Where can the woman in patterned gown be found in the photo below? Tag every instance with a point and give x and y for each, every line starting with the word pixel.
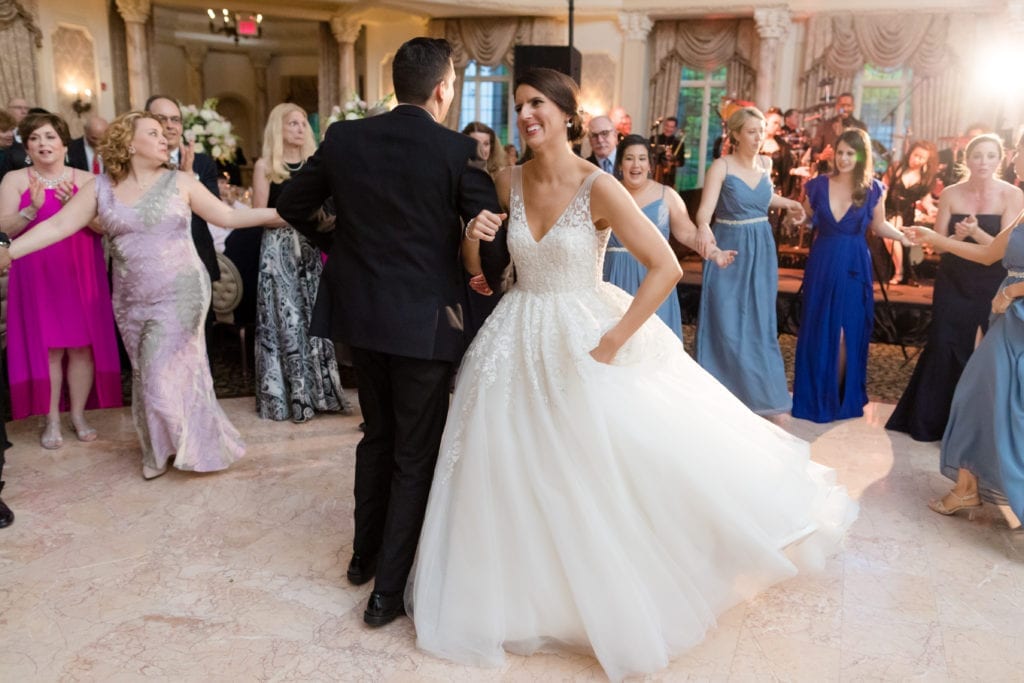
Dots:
pixel 737 332
pixel 161 291
pixel 296 373
pixel 665 208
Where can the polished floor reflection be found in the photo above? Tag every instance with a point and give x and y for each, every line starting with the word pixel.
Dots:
pixel 240 575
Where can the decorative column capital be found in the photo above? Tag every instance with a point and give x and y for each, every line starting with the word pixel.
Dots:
pixel 345 28
pixel 635 25
pixel 134 11
pixel 773 23
pixel 195 54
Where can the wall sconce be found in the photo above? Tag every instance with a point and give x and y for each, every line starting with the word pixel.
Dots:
pixel 82 105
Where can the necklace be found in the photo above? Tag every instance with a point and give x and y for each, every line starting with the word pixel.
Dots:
pixel 144 187
pixel 292 168
pixel 51 184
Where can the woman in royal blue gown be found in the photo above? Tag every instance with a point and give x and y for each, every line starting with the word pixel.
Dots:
pixel 830 376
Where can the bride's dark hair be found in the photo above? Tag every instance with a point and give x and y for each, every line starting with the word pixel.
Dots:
pixel 561 90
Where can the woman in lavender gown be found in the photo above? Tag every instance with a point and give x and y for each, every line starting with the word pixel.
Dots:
pixel 161 291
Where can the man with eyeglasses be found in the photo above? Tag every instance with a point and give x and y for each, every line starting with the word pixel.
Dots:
pixel 603 139
pixel 168 113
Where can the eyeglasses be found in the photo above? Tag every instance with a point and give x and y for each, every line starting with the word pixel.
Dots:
pixel 164 119
pixel 602 133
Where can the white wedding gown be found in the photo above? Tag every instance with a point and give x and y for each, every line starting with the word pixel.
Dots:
pixel 615 509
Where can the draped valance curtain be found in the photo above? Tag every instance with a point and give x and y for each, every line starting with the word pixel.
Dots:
pixel 19 39
pixel 488 42
pixel 839 45
pixel 701 44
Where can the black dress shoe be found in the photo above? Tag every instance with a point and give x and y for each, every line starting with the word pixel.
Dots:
pixel 361 570
pixel 383 608
pixel 6 516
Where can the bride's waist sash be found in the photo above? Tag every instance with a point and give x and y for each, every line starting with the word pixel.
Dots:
pixel 741 221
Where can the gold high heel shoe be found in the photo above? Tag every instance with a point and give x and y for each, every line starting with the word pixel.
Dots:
pixel 971 503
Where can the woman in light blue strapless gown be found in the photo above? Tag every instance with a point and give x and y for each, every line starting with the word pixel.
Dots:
pixel 983 446
pixel 665 208
pixel 737 332
pixel 596 489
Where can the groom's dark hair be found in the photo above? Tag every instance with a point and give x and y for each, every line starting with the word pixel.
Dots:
pixel 419 65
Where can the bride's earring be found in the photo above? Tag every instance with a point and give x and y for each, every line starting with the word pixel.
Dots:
pixel 131 150
pixel 568 123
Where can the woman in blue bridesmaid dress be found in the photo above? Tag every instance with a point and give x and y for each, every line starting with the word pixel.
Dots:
pixel 737 333
pixel 838 312
pixel 665 208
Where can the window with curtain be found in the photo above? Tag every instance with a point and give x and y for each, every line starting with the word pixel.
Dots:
pixel 487 97
pixel 882 95
pixel 699 95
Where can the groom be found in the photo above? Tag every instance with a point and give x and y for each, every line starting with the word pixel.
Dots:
pixel 403 186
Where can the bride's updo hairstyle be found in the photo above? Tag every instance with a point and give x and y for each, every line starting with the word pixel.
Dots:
pixel 561 90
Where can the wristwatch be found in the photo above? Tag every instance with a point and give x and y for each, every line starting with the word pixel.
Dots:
pixel 5 241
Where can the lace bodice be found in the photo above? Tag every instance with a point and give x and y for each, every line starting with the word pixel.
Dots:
pixel 569 257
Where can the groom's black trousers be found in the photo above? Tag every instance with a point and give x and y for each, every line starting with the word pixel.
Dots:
pixel 404 403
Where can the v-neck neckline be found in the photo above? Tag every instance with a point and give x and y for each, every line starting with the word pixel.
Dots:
pixel 526 218
pixel 145 193
pixel 831 211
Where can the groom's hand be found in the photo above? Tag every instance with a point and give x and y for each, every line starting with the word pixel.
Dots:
pixel 485 226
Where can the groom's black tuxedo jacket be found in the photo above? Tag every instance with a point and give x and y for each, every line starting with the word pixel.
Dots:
pixel 403 187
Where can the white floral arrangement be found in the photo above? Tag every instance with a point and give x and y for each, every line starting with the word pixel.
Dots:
pixel 210 131
pixel 356 108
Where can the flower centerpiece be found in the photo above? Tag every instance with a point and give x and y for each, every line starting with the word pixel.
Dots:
pixel 210 131
pixel 356 108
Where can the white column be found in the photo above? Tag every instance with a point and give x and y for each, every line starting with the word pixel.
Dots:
pixel 346 31
pixel 773 23
pixel 135 14
pixel 635 26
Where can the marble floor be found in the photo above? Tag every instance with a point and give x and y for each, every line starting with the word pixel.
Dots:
pixel 239 575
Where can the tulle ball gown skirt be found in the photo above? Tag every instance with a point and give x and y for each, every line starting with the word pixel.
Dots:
pixel 614 509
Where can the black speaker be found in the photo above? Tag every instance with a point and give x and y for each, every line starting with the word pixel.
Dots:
pixel 558 57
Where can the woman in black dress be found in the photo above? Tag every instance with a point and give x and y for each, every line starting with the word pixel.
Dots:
pixel 973 210
pixel 908 182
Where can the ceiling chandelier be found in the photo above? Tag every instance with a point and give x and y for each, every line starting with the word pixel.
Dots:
pixel 235 24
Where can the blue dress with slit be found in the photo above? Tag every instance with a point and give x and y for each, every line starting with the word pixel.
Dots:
pixel 838 307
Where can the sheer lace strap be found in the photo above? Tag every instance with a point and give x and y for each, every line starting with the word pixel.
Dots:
pixel 589 182
pixel 515 188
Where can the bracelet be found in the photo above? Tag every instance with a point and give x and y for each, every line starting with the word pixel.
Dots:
pixel 1005 295
pixel 24 213
pixel 465 232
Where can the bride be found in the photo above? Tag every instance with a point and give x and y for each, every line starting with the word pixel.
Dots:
pixel 596 489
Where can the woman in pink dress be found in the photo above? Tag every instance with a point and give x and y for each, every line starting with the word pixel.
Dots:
pixel 60 325
pixel 161 291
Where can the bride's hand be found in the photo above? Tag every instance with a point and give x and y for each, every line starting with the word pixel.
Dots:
pixel 485 226
pixel 604 352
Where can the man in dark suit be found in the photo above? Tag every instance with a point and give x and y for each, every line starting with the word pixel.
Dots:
pixel 603 141
pixel 402 185
pixel 82 151
pixel 168 112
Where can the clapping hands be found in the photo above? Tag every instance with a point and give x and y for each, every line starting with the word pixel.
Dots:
pixel 966 228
